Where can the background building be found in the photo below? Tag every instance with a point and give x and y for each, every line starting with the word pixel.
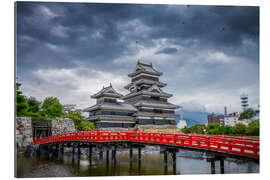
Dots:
pixel 213 118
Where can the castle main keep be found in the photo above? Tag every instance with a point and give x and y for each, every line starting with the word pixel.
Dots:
pixel 145 104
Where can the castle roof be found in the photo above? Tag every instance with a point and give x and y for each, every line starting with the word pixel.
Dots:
pixel 154 90
pixel 149 114
pixel 156 104
pixel 144 68
pixel 145 81
pixel 112 106
pixel 107 92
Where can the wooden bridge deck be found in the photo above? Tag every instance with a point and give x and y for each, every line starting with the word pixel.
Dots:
pixel 225 144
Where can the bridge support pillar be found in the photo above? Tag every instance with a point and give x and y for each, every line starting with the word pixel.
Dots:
pixel 139 153
pixel 62 149
pixel 90 155
pixel 56 150
pixel 114 155
pixel 165 157
pixel 213 167
pixel 165 162
pixel 130 153
pixel 79 149
pixel 174 161
pixel 107 156
pixel 73 149
pixel 100 156
pixel 222 166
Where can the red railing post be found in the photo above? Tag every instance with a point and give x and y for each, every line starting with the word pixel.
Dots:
pixel 229 145
pixel 98 135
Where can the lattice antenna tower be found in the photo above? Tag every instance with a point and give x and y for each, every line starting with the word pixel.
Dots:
pixel 244 101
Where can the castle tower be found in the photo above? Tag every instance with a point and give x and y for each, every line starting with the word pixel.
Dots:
pixel 146 95
pixel 108 112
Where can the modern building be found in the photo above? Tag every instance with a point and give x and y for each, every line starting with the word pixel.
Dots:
pixel 145 105
pixel 231 119
pixel 213 118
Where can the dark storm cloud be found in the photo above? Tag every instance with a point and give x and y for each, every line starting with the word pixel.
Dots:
pixel 216 27
pixel 167 51
pixel 96 36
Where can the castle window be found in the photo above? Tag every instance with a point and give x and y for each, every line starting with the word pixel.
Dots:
pixel 155 97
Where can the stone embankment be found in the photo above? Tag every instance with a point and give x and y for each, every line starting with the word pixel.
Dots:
pixel 24 133
pixel 60 126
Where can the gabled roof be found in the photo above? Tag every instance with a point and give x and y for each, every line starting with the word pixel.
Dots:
pixel 156 104
pixel 109 106
pixel 145 81
pixel 155 88
pixel 107 92
pixel 146 92
pixel 144 68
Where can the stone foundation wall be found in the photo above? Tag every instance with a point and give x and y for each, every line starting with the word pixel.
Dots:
pixel 24 133
pixel 62 126
pixel 116 129
pixel 157 128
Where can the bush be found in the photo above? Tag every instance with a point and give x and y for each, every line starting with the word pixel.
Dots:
pixel 87 126
pixel 239 129
pixel 198 129
pixel 253 128
pixel 213 128
pixel 185 130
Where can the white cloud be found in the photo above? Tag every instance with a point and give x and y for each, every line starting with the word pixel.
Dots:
pixel 47 11
pixel 72 86
pixel 60 31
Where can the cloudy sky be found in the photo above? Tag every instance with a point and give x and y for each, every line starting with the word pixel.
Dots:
pixel 209 54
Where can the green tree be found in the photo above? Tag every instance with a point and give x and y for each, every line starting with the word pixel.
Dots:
pixel 87 126
pixel 227 130
pixel 51 107
pixel 247 114
pixel 77 118
pixel 239 129
pixel 33 105
pixel 21 102
pixel 185 130
pixel 213 128
pixel 253 128
pixel 198 128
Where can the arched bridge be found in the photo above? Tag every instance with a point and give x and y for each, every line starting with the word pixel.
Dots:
pixel 242 146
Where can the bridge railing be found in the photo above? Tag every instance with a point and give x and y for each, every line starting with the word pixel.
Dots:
pixel 230 144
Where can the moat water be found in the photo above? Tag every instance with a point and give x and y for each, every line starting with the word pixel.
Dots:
pixel 151 163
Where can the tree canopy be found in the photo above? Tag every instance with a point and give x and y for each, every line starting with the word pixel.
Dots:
pixel 253 129
pixel 48 109
pixel 33 105
pixel 21 102
pixel 79 122
pixel 51 107
pixel 247 114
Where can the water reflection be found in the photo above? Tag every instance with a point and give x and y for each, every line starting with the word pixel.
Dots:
pixel 144 161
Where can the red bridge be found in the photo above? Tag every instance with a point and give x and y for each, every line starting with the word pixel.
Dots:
pixel 225 144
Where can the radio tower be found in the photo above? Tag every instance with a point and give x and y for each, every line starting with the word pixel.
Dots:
pixel 244 101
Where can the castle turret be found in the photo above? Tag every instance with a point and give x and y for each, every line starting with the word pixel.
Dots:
pixel 147 96
pixel 108 112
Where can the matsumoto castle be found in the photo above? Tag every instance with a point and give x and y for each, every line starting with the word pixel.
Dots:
pixel 145 105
